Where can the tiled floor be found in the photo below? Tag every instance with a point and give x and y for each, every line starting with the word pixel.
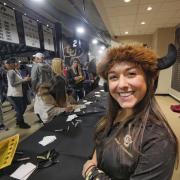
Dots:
pixel 30 118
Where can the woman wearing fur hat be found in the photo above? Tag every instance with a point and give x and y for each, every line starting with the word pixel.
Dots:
pixel 133 141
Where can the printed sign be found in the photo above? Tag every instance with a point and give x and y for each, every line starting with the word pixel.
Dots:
pixel 48 38
pixel 31 32
pixel 8 28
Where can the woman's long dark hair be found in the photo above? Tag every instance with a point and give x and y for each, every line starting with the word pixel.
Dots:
pixel 58 90
pixel 146 110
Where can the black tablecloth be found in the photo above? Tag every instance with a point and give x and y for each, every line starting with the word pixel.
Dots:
pixel 74 146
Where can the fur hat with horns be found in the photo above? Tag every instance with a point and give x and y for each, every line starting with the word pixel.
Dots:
pixel 137 54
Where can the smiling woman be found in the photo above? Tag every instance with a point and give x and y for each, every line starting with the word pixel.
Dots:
pixel 127 84
pixel 133 139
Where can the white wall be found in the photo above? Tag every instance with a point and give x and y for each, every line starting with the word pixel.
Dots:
pixel 161 38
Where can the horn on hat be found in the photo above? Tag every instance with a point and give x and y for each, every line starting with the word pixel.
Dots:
pixel 169 59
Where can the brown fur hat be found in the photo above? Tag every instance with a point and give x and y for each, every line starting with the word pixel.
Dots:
pixel 132 53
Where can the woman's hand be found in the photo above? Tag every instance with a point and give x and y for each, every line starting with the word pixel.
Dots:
pixel 27 78
pixel 76 78
pixel 87 167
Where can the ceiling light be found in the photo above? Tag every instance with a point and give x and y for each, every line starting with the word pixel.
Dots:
pixel 37 20
pixel 80 30
pixel 5 4
pixel 47 25
pixel 126 1
pixel 102 47
pixel 25 14
pixel 94 41
pixel 126 32
pixel 149 8
pixel 143 22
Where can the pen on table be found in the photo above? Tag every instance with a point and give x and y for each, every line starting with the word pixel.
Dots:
pixel 58 130
pixel 23 159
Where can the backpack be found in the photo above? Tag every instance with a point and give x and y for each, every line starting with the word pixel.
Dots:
pixel 44 73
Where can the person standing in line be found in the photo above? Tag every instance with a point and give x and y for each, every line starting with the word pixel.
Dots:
pixel 2 126
pixel 15 94
pixel 133 141
pixel 75 79
pixel 40 72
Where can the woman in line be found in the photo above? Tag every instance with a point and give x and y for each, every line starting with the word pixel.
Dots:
pixel 58 81
pixel 133 141
pixel 15 93
pixel 75 79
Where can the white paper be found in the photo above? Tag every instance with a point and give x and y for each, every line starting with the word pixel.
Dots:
pixel 47 140
pixel 98 95
pixel 71 117
pixel 24 171
pixel 82 106
pixel 77 110
pixel 89 102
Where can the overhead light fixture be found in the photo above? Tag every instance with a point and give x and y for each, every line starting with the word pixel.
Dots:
pixel 37 20
pixel 149 8
pixel 143 22
pixel 47 25
pixel 126 32
pixel 5 4
pixel 102 47
pixel 25 14
pixel 126 1
pixel 80 30
pixel 94 41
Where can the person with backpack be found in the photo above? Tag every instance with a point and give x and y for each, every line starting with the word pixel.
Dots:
pixel 40 72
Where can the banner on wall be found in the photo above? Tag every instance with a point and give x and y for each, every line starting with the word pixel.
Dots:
pixel 31 32
pixel 8 28
pixel 48 38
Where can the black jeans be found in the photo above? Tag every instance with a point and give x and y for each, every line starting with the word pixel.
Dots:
pixel 19 106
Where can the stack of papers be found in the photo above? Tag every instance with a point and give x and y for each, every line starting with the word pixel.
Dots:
pixel 47 140
pixel 88 102
pixel 77 110
pixel 97 95
pixel 71 117
pixel 24 171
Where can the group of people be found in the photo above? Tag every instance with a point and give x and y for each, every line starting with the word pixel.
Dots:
pixel 54 89
pixel 133 141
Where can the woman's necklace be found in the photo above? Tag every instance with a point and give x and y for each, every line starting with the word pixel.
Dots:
pixel 127 138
